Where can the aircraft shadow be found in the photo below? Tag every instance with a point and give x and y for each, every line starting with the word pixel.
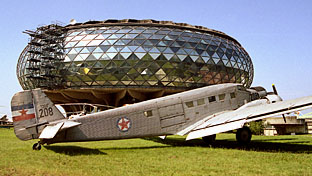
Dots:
pixel 134 148
pixel 74 150
pixel 254 145
pixel 265 145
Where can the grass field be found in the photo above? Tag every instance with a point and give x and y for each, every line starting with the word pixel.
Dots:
pixel 277 155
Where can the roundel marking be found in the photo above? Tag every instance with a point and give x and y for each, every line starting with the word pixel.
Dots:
pixel 123 124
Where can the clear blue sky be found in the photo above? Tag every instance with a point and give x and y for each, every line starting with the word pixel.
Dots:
pixel 275 33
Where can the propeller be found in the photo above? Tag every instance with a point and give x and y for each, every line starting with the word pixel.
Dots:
pixel 274 89
pixel 275 92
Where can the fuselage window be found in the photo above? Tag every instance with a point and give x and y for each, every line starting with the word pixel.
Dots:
pixel 200 101
pixel 148 113
pixel 221 97
pixel 189 104
pixel 212 99
pixel 233 95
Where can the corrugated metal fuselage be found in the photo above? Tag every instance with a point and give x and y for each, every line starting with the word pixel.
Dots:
pixel 162 116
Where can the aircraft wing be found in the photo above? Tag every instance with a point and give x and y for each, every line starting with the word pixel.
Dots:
pixel 236 119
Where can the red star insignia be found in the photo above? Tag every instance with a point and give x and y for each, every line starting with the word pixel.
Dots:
pixel 124 124
pixel 23 112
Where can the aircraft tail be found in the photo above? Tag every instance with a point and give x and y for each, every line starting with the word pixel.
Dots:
pixel 32 110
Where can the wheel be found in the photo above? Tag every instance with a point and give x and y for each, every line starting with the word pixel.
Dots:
pixel 209 139
pixel 243 135
pixel 36 146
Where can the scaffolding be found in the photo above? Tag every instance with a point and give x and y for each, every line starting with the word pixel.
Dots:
pixel 46 55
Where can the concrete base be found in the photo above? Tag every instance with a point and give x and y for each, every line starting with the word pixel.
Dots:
pixel 277 126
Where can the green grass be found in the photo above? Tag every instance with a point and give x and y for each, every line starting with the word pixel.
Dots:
pixel 277 155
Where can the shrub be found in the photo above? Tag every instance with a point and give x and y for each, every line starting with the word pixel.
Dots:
pixel 256 127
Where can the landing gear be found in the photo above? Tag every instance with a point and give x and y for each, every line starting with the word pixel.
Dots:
pixel 37 146
pixel 209 139
pixel 243 135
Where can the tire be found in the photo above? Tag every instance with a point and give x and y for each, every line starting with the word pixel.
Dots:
pixel 209 139
pixel 243 135
pixel 36 146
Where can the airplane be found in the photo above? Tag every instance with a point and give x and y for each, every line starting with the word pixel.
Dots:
pixel 299 115
pixel 4 122
pixel 197 113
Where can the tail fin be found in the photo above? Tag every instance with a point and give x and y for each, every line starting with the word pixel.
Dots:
pixel 31 111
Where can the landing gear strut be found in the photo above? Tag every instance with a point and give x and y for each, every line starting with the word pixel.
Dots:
pixel 37 146
pixel 243 135
pixel 209 139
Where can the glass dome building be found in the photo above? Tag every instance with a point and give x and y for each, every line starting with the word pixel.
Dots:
pixel 114 62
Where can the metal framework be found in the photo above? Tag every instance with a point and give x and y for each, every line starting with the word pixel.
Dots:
pixel 46 53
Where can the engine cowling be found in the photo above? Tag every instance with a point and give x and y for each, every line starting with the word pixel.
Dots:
pixel 273 98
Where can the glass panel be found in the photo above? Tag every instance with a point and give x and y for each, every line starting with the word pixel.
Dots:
pixel 78 49
pixel 139 41
pixel 168 50
pixel 73 51
pixel 126 50
pixel 90 37
pixel 105 35
pixel 140 37
pixel 148 43
pixel 119 42
pixel 189 104
pixel 156 36
pixel 126 41
pixel 162 32
pixel 221 97
pixel 70 44
pixel 212 99
pixel 119 35
pixel 137 30
pixel 111 55
pixel 200 101
pixel 95 42
pixel 78 38
pixel 82 43
pixel 85 50
pixel 75 33
pixel 112 41
pixel 150 31
pixel 118 48
pixel 111 50
pixel 104 48
pixel 125 55
pixel 148 113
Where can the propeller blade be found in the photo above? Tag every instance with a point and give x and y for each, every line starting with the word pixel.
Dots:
pixel 274 89
pixel 284 118
pixel 275 92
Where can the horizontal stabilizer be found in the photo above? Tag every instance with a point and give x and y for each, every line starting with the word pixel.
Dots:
pixel 53 128
pixel 50 131
pixel 162 137
pixel 69 124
